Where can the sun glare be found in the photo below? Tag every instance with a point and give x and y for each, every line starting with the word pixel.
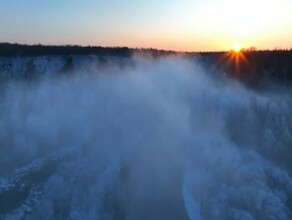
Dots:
pixel 237 48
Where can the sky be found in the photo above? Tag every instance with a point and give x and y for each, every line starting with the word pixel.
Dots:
pixel 182 25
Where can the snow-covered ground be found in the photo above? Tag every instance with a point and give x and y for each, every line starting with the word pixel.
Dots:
pixel 113 138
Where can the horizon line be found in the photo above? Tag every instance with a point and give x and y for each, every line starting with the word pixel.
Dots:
pixel 253 48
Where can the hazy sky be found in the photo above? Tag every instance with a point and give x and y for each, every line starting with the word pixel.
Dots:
pixel 168 24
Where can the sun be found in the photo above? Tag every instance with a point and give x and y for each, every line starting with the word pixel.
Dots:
pixel 237 48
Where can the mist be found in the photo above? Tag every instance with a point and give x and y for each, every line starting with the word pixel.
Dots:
pixel 153 139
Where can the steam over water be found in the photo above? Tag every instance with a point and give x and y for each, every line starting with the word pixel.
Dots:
pixel 157 139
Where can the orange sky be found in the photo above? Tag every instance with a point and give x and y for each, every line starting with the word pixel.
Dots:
pixel 186 25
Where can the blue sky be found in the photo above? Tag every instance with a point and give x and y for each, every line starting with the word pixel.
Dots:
pixel 168 24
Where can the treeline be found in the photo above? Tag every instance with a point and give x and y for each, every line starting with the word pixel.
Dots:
pixel 251 66
pixel 273 65
pixel 11 50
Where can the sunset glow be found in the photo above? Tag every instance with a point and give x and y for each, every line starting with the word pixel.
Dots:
pixel 134 109
pixel 185 25
pixel 237 48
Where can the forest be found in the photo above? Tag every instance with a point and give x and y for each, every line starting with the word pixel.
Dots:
pixel 249 66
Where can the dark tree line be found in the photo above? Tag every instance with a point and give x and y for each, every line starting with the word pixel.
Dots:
pixel 250 66
pixel 10 50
